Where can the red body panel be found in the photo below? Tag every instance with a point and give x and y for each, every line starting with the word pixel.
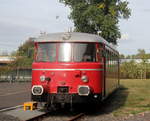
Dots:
pixel 68 74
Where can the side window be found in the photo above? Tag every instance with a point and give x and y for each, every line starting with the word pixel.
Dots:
pixel 107 59
pixel 99 53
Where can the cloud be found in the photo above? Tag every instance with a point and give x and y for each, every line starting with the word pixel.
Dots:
pixel 125 36
pixel 21 19
pixel 124 39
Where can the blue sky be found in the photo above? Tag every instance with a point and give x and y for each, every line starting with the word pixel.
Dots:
pixel 20 19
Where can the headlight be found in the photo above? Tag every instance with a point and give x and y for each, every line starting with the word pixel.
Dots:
pixel 42 78
pixel 83 90
pixel 84 78
pixel 37 90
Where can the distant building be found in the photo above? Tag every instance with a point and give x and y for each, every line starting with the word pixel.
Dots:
pixel 4 60
pixel 136 60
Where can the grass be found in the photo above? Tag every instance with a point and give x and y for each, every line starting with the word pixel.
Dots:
pixel 133 97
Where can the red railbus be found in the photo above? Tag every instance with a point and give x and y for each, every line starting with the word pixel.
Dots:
pixel 73 68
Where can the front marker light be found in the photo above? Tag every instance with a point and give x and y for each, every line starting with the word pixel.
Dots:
pixel 84 78
pixel 83 90
pixel 42 78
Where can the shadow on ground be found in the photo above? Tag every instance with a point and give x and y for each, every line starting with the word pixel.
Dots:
pixel 112 103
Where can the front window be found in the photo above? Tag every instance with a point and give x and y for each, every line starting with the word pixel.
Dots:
pixel 46 52
pixel 84 52
pixel 66 52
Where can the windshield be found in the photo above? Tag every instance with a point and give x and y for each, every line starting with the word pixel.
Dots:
pixel 66 52
pixel 84 52
pixel 46 52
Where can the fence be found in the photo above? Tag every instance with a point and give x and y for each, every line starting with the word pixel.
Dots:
pixel 17 75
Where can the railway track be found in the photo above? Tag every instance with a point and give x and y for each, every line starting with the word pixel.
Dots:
pixel 38 115
pixel 35 115
pixel 10 108
pixel 22 115
pixel 77 117
pixel 41 117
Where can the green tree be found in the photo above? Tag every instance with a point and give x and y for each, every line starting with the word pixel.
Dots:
pixel 98 16
pixel 26 48
pixel 144 64
pixel 128 57
pixel 121 56
pixel 24 54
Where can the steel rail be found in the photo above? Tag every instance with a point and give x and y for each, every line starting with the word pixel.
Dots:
pixel 41 116
pixel 75 118
pixel 10 108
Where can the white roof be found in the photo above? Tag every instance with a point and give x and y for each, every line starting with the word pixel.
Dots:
pixel 69 37
pixel 72 37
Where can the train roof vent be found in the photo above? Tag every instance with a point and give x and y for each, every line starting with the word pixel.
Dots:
pixel 66 36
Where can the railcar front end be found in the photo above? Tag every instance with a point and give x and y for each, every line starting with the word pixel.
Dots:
pixel 67 72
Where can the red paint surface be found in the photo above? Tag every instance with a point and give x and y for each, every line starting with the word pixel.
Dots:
pixel 70 78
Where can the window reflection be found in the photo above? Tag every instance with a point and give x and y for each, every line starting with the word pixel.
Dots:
pixel 81 52
pixel 84 52
pixel 46 52
pixel 64 52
